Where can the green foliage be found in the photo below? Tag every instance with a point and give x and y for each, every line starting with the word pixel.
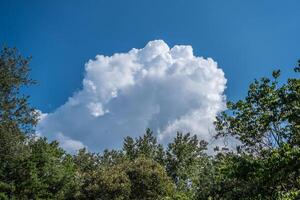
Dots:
pixel 266 165
pixel 30 168
pixel 149 180
pixel 47 173
pixel 105 183
pixel 16 116
pixel 127 179
pixel 267 124
pixel 267 118
pixel 14 74
pixel 146 145
pixel 246 176
pixel 100 176
pixel 184 159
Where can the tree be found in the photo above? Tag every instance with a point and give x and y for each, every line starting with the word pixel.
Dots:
pixel 17 118
pixel 105 182
pixel 267 166
pixel 129 148
pixel 184 159
pixel 149 180
pixel 145 145
pixel 47 173
pixel 247 176
pixel 87 165
pixel 112 157
pixel 267 124
pixel 267 118
pixel 14 108
pixel 141 178
pixel 30 167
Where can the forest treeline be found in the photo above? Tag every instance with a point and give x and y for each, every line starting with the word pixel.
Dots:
pixel 265 165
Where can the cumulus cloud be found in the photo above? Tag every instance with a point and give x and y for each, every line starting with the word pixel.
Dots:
pixel 165 89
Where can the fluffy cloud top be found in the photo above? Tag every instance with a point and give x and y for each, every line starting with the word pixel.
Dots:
pixel 165 89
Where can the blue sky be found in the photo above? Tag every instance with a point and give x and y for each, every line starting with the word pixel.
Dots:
pixel 248 39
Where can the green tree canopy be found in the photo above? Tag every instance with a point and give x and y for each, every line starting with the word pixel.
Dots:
pixel 267 118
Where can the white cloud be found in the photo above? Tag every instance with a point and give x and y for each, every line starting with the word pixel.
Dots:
pixel 165 89
pixel 69 144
